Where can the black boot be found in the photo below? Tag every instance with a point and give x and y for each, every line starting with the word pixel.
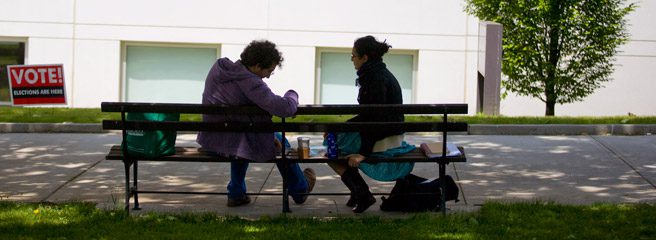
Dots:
pixel 349 184
pixel 363 197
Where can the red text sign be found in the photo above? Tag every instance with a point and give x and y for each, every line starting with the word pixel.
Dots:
pixel 37 84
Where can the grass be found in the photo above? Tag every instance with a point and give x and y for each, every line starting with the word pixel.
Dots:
pixel 535 220
pixel 4 94
pixel 94 115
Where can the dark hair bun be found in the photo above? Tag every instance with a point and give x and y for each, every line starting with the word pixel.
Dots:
pixel 368 45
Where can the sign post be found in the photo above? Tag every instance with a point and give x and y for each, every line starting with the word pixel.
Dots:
pixel 37 84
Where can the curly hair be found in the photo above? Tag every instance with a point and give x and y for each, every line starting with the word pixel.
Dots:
pixel 262 52
pixel 368 45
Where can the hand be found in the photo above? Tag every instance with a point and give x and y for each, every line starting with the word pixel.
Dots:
pixel 354 159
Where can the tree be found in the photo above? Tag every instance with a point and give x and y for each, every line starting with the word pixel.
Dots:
pixel 559 51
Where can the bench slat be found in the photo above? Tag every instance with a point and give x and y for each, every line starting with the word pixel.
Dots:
pixel 287 127
pixel 301 110
pixel 192 154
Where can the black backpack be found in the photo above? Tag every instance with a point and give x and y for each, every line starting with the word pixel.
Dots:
pixel 415 194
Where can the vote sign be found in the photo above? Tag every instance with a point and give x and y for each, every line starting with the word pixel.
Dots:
pixel 37 84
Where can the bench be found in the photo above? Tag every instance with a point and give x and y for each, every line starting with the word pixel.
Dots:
pixel 193 154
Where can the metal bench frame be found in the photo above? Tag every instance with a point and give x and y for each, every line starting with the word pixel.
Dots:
pixel 191 154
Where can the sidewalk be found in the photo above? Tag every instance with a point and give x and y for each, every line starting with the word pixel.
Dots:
pixel 565 169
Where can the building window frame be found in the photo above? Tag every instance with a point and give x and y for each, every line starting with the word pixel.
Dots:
pixel 321 50
pixel 23 40
pixel 124 56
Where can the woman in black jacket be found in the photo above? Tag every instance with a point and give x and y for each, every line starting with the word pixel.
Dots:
pixel 377 86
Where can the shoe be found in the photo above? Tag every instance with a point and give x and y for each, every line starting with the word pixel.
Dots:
pixel 362 196
pixel 235 202
pixel 351 202
pixel 311 179
pixel 363 204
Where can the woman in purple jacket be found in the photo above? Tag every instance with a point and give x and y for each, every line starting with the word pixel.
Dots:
pixel 241 83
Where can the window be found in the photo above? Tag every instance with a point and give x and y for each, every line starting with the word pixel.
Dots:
pixel 166 73
pixel 337 75
pixel 11 53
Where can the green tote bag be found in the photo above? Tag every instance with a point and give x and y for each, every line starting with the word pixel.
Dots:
pixel 151 144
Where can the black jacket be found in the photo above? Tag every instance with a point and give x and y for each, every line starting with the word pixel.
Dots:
pixel 377 86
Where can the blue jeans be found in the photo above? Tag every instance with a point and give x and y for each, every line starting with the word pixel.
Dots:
pixel 295 180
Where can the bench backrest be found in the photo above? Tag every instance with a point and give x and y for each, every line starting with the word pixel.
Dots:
pixel 285 126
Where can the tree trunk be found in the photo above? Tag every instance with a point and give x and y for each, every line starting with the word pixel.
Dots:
pixel 550 95
pixel 551 109
pixel 554 58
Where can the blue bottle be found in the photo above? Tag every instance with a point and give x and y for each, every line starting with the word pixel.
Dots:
pixel 331 150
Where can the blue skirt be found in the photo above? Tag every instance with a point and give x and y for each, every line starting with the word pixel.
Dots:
pixel 349 143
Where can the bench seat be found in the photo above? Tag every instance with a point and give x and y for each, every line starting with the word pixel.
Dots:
pixel 195 154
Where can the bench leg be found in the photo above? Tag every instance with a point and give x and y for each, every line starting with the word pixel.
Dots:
pixel 285 190
pixel 443 188
pixel 127 186
pixel 134 187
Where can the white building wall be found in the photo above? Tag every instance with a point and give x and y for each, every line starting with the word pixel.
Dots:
pixel 296 73
pixel 441 75
pixel 97 72
pixel 87 35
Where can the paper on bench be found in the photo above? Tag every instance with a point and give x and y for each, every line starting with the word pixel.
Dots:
pixel 427 148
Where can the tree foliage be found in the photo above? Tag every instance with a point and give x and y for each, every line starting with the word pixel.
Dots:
pixel 558 51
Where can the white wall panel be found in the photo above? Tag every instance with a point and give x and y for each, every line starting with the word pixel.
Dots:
pixel 97 72
pixel 638 48
pixel 345 40
pixel 25 29
pixel 440 77
pixel 632 90
pixel 382 16
pixel 297 73
pixel 641 21
pixel 60 11
pixel 248 14
pixel 167 34
pixel 232 51
pixel 514 105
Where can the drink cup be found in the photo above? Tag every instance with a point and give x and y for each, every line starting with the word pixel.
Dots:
pixel 303 147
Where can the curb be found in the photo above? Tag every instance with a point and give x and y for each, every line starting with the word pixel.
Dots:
pixel 474 129
pixel 562 129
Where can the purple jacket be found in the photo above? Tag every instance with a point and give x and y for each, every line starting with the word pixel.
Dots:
pixel 232 84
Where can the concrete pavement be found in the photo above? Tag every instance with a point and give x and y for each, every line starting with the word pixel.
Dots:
pixel 59 167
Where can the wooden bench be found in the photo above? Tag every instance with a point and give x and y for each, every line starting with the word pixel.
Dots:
pixel 192 154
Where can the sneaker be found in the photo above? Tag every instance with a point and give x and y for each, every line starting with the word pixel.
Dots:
pixel 234 202
pixel 311 179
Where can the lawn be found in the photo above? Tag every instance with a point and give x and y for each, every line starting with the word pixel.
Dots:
pixel 94 115
pixel 534 220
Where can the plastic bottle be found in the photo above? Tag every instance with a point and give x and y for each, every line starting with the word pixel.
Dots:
pixel 331 150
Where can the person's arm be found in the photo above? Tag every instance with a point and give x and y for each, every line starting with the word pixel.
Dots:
pixel 259 93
